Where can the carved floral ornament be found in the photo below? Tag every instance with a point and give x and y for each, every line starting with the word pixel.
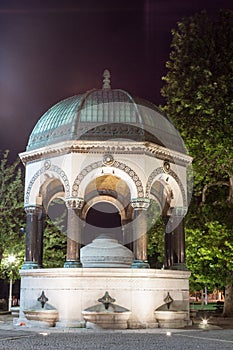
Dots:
pixel 108 159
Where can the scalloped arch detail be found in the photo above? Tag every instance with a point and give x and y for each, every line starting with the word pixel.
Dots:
pixel 52 168
pixel 122 166
pixel 160 170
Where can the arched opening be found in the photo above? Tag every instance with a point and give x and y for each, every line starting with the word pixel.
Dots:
pixel 161 195
pixel 155 234
pixel 170 220
pixel 102 217
pixel 55 230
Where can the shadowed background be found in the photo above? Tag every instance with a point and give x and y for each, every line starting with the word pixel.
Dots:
pixel 50 50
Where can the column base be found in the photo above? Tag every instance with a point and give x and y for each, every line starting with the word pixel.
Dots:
pixel 179 266
pixel 72 264
pixel 30 265
pixel 140 264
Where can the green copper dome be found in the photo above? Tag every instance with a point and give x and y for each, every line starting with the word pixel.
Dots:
pixel 104 114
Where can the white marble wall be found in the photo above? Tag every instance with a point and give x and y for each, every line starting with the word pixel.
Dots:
pixel 71 291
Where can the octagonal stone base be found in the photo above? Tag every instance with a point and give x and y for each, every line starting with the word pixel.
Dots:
pixel 70 291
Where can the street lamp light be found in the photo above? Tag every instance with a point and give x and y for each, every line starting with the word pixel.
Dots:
pixel 11 260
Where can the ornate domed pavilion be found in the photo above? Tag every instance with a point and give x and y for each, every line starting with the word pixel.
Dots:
pixel 134 146
pixel 106 156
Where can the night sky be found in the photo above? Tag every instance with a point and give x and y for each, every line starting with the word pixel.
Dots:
pixel 52 49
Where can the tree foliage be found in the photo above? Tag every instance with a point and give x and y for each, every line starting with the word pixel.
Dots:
pixel 155 235
pixel 12 223
pixel 12 216
pixel 209 255
pixel 54 245
pixel 198 90
pixel 55 236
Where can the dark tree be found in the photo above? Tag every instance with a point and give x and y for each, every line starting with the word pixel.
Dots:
pixel 199 98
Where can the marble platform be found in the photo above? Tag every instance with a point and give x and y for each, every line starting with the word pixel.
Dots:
pixel 71 291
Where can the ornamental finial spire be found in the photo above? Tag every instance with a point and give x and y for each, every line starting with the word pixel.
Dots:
pixel 106 80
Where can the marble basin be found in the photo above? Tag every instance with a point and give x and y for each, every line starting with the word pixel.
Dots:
pixel 106 320
pixel 106 315
pixel 50 317
pixel 171 318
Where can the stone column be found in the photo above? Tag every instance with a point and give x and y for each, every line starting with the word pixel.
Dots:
pixel 127 234
pixel 40 237
pixel 74 232
pixel 31 251
pixel 140 206
pixel 168 242
pixel 174 239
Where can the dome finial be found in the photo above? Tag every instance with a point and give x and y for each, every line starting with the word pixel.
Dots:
pixel 106 80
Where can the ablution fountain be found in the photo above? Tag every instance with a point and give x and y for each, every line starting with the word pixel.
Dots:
pixel 107 159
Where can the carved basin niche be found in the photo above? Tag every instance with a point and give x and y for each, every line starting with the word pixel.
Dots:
pixel 170 314
pixel 50 317
pixel 171 318
pixel 106 315
pixel 42 312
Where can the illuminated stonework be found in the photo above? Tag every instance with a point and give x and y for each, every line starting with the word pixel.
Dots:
pixel 104 146
pixel 105 163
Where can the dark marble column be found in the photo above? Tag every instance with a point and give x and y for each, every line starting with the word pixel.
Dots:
pixel 74 233
pixel 140 232
pixel 127 233
pixel 168 242
pixel 31 252
pixel 40 237
pixel 174 239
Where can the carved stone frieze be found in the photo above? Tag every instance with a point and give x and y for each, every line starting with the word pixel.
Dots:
pixel 100 147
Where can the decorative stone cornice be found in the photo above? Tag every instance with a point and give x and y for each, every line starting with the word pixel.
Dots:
pixel 167 154
pixel 104 147
pixel 140 203
pixel 74 202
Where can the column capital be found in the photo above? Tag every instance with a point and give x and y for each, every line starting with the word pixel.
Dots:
pixel 140 203
pixel 33 209
pixel 74 202
pixel 179 211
